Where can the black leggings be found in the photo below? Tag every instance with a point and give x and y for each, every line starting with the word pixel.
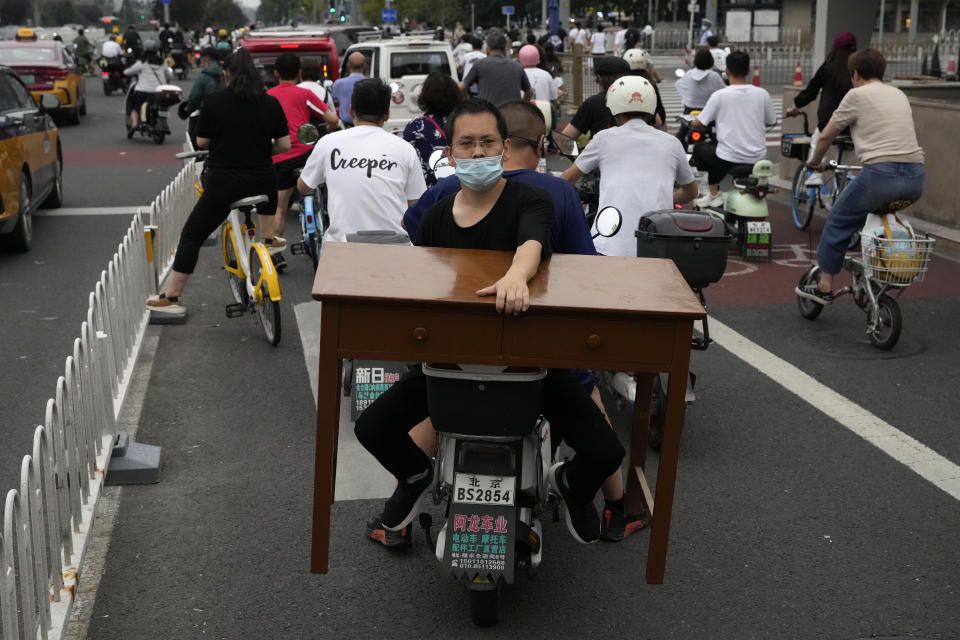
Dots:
pixel 705 158
pixel 221 187
pixel 383 430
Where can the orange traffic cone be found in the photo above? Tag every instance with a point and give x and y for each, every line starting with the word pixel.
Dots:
pixel 756 76
pixel 798 77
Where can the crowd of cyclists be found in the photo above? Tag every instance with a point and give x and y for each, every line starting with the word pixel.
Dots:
pixel 494 133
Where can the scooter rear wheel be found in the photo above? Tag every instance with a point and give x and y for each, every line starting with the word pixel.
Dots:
pixel 485 606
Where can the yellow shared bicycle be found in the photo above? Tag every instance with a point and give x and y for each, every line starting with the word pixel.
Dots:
pixel 250 270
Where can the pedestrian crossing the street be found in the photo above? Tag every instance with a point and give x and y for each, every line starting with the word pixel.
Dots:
pixel 674 107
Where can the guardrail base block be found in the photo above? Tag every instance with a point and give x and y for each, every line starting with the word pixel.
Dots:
pixel 162 317
pixel 133 462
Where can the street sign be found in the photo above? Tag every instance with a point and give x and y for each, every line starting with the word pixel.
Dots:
pixel 165 1
pixel 693 7
pixel 507 10
pixel 389 15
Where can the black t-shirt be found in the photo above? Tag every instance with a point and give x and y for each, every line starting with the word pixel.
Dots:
pixel 241 132
pixel 593 115
pixel 522 212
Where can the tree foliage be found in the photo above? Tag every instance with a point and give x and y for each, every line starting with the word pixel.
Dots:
pixel 14 11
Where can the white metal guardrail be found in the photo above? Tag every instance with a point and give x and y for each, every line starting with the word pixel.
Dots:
pixel 46 521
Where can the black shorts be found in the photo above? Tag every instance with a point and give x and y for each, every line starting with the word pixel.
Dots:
pixel 137 98
pixel 284 171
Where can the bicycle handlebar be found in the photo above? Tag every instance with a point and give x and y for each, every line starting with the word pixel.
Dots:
pixel 832 165
pixel 186 155
pixel 806 122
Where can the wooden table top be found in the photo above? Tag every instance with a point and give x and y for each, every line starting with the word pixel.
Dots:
pixel 427 275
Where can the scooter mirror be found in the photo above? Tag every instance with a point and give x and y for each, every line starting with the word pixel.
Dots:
pixel 307 134
pixel 679 73
pixel 608 221
pixel 49 102
pixel 440 164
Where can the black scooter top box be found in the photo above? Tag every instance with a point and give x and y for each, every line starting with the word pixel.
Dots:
pixel 696 242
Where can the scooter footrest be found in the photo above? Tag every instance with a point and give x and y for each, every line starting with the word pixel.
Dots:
pixel 236 310
pixel 297 248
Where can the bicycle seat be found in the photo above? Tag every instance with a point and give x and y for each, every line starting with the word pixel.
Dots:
pixel 249 203
pixel 895 205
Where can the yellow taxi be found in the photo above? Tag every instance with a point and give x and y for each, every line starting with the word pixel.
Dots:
pixel 46 66
pixel 31 160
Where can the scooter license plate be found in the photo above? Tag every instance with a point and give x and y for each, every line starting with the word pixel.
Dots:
pixel 471 488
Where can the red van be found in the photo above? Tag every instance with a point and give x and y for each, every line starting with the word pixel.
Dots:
pixel 315 46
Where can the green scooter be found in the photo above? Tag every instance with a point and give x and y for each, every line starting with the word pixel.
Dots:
pixel 745 210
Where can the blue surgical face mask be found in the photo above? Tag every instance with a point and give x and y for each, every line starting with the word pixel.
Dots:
pixel 479 174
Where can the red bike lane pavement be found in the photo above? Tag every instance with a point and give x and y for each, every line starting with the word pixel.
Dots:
pixel 773 282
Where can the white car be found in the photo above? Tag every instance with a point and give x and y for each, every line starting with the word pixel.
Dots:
pixel 403 63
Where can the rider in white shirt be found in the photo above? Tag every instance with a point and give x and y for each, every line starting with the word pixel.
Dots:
pixel 742 113
pixel 639 164
pixel 371 175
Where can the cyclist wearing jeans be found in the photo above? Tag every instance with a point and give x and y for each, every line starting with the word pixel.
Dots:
pixel 881 124
pixel 243 127
pixel 490 212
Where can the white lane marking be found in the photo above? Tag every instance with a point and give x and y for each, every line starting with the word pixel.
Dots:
pixel 745 268
pixel 359 475
pixel 915 455
pixel 92 211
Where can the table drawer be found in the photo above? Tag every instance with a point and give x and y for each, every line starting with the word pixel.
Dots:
pixel 414 331
pixel 590 339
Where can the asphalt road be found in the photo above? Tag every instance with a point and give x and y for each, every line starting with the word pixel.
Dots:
pixel 787 523
pixel 46 289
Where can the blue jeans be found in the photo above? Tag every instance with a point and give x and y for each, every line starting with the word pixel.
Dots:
pixel 876 185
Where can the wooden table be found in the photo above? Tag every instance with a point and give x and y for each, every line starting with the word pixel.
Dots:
pixel 403 303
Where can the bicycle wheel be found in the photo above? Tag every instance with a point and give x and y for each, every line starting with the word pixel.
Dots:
pixel 888 325
pixel 808 308
pixel 802 199
pixel 268 311
pixel 238 287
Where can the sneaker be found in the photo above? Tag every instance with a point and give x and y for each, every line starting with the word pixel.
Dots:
pixel 582 520
pixel 814 180
pixel 275 245
pixel 708 200
pixel 617 525
pixel 811 291
pixel 404 504
pixel 388 538
pixel 163 304
pixel 279 262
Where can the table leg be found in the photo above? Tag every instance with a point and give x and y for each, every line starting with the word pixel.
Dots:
pixel 636 501
pixel 328 423
pixel 669 453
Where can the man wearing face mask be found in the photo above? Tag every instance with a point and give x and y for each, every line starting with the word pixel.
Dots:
pixel 371 175
pixel 490 212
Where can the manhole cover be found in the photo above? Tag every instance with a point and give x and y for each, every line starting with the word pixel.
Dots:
pixel 847 343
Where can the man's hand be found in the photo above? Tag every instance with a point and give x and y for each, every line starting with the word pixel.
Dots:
pixel 513 295
pixel 792 111
pixel 696 124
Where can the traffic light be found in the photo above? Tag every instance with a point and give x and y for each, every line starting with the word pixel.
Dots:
pixel 333 10
pixel 343 18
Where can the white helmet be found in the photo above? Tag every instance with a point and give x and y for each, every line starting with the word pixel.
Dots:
pixel 638 59
pixel 631 94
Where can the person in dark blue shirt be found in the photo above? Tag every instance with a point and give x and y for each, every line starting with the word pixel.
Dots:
pixel 527 130
pixel 570 231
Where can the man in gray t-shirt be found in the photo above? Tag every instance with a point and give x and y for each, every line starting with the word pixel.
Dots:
pixel 498 78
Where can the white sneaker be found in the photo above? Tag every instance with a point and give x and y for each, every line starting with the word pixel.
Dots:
pixel 707 201
pixel 815 180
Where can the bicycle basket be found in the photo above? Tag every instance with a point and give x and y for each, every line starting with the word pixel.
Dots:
pixel 795 145
pixel 898 257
